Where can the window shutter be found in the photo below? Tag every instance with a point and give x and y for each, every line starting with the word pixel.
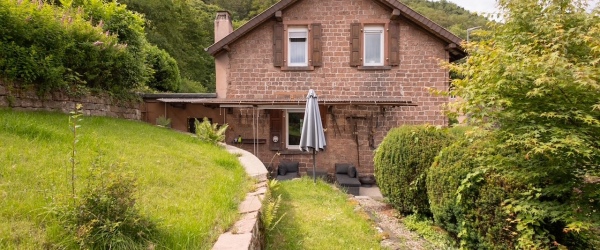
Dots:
pixel 355 44
pixel 317 54
pixel 394 44
pixel 323 113
pixel 278 44
pixel 276 125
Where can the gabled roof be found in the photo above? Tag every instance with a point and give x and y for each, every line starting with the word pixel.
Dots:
pixel 456 52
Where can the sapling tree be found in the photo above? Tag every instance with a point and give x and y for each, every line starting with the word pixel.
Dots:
pixel 74 118
pixel 533 79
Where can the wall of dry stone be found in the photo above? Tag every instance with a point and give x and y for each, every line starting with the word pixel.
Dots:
pixel 99 105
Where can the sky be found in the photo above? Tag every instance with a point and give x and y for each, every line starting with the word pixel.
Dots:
pixel 488 6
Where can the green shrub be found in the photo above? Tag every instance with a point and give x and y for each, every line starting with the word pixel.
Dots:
pixel 483 193
pixel 211 133
pixel 269 214
pixel 482 221
pixel 105 216
pixel 81 45
pixel 401 164
pixel 165 76
pixel 163 121
pixel 450 167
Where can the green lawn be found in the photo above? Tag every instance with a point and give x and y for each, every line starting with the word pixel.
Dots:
pixel 191 190
pixel 319 217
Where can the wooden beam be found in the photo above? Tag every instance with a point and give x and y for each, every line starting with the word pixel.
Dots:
pixel 395 14
pixel 451 46
pixel 278 16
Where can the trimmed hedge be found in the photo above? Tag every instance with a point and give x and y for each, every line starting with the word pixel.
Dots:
pixel 444 176
pixel 476 189
pixel 93 46
pixel 402 161
pixel 482 221
pixel 466 197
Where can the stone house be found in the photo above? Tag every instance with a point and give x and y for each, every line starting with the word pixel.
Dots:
pixel 371 62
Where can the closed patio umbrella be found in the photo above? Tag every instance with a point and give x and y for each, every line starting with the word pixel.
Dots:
pixel 312 135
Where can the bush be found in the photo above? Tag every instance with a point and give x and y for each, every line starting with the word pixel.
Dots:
pixel 165 73
pixel 401 164
pixel 211 133
pixel 477 191
pixel 450 167
pixel 482 221
pixel 105 216
pixel 97 46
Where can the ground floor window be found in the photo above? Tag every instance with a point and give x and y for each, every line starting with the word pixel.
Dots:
pixel 294 119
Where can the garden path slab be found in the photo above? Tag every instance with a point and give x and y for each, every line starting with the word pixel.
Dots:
pixel 396 235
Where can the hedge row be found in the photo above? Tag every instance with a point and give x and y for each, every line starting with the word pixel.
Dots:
pixel 401 164
pixel 481 192
pixel 97 45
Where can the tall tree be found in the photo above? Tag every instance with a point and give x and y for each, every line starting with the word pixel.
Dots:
pixel 534 80
pixel 183 28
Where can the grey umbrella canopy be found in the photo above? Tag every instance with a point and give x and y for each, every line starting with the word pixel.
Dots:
pixel 312 136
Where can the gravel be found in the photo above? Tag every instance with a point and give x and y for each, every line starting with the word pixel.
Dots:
pixel 395 234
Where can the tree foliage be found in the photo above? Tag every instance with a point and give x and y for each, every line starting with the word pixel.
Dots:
pixel 76 46
pixel 449 15
pixel 183 28
pixel 534 81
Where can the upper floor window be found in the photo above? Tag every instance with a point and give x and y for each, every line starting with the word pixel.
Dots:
pixel 373 50
pixel 297 46
pixel 375 44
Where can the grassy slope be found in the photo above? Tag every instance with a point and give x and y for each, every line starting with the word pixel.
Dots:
pixel 192 190
pixel 318 217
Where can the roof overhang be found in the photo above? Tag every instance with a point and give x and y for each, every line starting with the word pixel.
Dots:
pixel 179 95
pixel 283 102
pixel 453 42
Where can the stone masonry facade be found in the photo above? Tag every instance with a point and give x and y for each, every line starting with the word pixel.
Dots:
pixel 102 105
pixel 251 75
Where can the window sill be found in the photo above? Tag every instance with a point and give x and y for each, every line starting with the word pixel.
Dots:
pixel 374 67
pixel 305 68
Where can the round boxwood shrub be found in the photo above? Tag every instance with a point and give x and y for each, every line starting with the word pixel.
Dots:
pixel 466 197
pixel 401 164
pixel 444 176
pixel 482 221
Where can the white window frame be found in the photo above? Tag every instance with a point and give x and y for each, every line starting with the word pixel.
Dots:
pixel 287 128
pixel 289 44
pixel 374 29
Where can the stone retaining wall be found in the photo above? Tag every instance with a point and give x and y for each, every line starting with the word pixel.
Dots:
pixel 101 105
pixel 247 233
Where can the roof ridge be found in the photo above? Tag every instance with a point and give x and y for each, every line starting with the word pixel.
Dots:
pixel 407 12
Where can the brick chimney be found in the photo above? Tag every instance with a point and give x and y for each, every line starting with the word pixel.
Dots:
pixel 223 27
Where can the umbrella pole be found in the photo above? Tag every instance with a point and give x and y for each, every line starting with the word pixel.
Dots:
pixel 314 167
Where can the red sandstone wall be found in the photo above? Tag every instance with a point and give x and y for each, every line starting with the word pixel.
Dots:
pixel 252 75
pixel 180 113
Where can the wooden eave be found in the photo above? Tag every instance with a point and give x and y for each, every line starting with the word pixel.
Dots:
pixel 454 42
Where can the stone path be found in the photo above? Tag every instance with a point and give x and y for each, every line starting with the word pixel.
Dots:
pixel 396 235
